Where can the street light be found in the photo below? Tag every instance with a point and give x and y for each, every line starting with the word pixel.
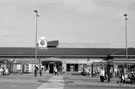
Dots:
pixel 126 35
pixel 36 34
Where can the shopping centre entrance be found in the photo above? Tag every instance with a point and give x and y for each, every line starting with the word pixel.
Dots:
pixel 49 65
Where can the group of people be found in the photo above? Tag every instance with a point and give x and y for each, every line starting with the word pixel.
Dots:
pixel 38 69
pixel 124 76
pixel 4 71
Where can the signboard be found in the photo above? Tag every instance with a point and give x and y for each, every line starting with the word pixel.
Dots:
pixel 42 42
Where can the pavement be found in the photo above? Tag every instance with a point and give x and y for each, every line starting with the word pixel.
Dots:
pixel 49 81
pixel 105 84
pixel 95 81
pixel 56 82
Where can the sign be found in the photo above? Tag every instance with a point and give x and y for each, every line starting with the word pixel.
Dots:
pixel 42 42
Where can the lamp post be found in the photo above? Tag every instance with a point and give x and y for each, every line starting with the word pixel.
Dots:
pixel 36 45
pixel 126 35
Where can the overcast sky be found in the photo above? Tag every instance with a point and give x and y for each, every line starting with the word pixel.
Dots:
pixel 78 21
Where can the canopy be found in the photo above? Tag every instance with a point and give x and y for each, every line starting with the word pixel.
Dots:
pixel 51 61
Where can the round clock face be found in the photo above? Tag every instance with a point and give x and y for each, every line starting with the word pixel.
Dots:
pixel 42 42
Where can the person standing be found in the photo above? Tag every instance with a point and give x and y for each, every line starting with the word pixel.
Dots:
pixel 6 71
pixel 55 70
pixel 1 70
pixel 3 73
pixel 102 74
pixel 87 71
pixel 122 76
pixel 35 71
pixel 40 71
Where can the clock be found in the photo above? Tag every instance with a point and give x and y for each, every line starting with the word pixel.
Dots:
pixel 42 42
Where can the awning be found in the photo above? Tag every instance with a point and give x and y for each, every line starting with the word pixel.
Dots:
pixel 52 60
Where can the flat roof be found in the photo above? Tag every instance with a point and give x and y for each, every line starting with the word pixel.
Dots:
pixel 56 52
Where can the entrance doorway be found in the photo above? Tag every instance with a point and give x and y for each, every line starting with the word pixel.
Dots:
pixel 49 65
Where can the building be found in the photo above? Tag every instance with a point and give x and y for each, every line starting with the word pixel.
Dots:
pixel 22 59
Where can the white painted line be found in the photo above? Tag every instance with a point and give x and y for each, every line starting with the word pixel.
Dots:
pixel 56 82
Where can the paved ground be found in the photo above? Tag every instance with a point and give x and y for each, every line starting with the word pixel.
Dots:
pixel 84 82
pixel 25 81
pixel 65 81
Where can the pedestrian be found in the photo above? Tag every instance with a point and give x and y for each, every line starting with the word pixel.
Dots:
pixel 87 71
pixel 6 71
pixel 40 71
pixel 55 70
pixel 122 76
pixel 132 77
pixel 102 74
pixel 1 70
pixel 60 69
pixel 3 73
pixel 35 71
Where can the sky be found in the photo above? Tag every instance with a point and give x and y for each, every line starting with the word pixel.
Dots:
pixel 69 21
